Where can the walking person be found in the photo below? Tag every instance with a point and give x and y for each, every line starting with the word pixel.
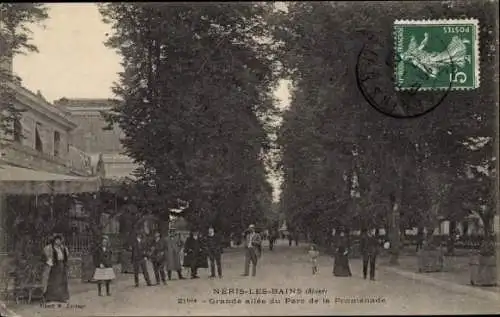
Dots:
pixel 253 250
pixel 158 257
pixel 56 287
pixel 369 250
pixel 273 236
pixel 139 258
pixel 173 255
pixel 341 264
pixel 192 253
pixel 104 272
pixel 214 249
pixel 313 255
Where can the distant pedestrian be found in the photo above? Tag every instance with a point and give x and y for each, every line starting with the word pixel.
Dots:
pixel 313 256
pixel 56 254
pixel 173 255
pixel 253 246
pixel 158 258
pixel 104 272
pixel 273 236
pixel 139 259
pixel 341 264
pixel 369 249
pixel 214 248
pixel 420 240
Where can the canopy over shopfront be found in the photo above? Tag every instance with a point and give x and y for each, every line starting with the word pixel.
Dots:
pixel 23 181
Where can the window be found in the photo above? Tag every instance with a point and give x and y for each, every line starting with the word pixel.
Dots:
pixel 57 143
pixel 38 138
pixel 18 130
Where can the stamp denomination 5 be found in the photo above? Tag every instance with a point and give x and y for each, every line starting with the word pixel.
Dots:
pixel 436 54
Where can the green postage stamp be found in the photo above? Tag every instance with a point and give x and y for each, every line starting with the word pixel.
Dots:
pixel 436 54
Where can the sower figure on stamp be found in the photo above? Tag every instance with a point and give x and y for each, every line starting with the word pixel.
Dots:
pixel 139 258
pixel 214 248
pixel 158 249
pixel 253 244
pixel 104 272
pixel 369 250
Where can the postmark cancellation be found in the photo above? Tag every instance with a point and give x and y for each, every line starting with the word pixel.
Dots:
pixel 436 54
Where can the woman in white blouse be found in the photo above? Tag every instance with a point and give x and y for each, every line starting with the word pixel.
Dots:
pixel 56 255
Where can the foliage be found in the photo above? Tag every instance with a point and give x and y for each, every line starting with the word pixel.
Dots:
pixel 196 100
pixel 411 164
pixel 15 22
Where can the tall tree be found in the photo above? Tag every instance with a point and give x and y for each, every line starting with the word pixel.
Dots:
pixel 329 119
pixel 197 95
pixel 15 38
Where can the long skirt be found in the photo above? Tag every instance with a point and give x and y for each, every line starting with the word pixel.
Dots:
pixel 57 284
pixel 104 274
pixel 341 266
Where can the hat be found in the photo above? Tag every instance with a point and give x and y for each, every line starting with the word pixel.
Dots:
pixel 56 236
pixel 252 226
pixel 105 237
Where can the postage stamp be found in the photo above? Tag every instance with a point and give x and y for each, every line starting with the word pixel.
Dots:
pixel 436 54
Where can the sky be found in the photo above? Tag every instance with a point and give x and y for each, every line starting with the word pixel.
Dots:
pixel 74 63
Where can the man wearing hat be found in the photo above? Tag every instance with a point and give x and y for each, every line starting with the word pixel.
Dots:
pixel 253 243
pixel 139 259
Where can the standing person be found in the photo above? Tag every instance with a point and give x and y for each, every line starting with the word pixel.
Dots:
pixel 369 250
pixel 341 264
pixel 57 254
pixel 420 240
pixel 158 249
pixel 139 258
pixel 192 250
pixel 173 255
pixel 214 248
pixel 313 255
pixel 104 272
pixel 253 250
pixel 273 235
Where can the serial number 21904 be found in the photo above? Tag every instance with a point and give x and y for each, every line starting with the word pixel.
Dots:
pixel 183 300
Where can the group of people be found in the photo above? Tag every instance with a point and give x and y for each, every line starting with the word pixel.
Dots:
pixel 369 247
pixel 198 251
pixel 166 254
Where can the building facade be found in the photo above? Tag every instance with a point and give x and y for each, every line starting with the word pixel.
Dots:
pixel 91 136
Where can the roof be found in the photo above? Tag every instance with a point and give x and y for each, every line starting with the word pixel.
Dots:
pixel 83 104
pixel 18 180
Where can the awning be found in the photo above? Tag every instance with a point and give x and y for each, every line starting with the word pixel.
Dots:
pixel 23 181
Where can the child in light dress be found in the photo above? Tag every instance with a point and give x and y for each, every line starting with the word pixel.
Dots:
pixel 313 255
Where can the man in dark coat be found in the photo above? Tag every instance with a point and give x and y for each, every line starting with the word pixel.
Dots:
pixel 139 258
pixel 192 253
pixel 273 236
pixel 158 249
pixel 214 249
pixel 369 249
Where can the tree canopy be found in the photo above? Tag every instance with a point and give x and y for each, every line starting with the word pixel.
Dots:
pixel 331 137
pixel 196 96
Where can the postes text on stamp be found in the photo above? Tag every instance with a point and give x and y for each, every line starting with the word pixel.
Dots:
pixel 436 54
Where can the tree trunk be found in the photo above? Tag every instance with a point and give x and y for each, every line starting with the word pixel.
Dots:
pixel 394 234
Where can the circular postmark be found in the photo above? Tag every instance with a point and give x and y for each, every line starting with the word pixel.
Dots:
pixel 375 76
